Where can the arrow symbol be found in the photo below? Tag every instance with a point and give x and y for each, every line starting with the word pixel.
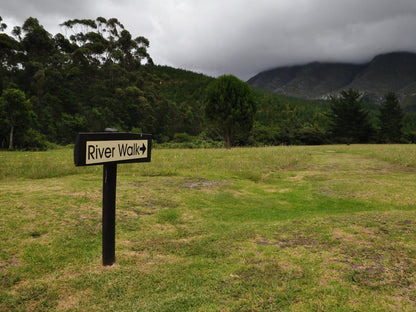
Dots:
pixel 143 149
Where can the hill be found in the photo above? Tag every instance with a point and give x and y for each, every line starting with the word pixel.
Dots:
pixel 394 71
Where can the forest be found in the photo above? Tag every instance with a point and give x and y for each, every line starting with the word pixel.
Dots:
pixel 96 74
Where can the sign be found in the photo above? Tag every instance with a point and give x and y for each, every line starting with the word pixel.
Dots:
pixel 98 152
pixel 111 147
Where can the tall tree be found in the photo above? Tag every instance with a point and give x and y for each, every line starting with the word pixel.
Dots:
pixel 15 110
pixel 9 56
pixel 37 42
pixel 107 41
pixel 349 121
pixel 230 106
pixel 391 118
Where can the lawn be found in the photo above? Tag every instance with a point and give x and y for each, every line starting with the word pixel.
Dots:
pixel 325 228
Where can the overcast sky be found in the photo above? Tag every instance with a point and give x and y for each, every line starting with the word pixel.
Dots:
pixel 242 37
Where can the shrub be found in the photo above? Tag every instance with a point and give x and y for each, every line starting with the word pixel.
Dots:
pixel 181 137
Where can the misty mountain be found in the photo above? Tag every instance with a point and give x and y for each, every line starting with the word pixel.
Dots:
pixel 386 72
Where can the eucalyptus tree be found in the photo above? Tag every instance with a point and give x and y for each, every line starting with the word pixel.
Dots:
pixel 107 41
pixel 10 51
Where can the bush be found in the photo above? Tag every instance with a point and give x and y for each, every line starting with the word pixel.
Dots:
pixel 310 136
pixel 409 137
pixel 33 140
pixel 263 135
pixel 197 143
pixel 181 137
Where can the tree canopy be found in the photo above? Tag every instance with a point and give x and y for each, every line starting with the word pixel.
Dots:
pixel 97 75
pixel 230 106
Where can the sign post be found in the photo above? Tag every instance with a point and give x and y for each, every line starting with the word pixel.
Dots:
pixel 109 213
pixel 109 149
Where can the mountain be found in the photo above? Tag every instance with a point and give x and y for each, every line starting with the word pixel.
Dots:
pixel 394 71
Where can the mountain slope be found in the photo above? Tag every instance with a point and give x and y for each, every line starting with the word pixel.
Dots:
pixel 387 72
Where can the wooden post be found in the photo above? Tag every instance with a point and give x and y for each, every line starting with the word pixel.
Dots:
pixel 109 213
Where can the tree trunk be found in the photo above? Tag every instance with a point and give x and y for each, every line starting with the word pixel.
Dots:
pixel 11 137
pixel 228 140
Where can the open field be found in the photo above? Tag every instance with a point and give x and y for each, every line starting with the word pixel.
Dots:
pixel 325 228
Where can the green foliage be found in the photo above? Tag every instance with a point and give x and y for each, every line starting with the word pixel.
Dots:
pixel 282 119
pixel 350 122
pixel 33 140
pixel 16 113
pixel 181 137
pixel 230 106
pixel 97 75
pixel 184 140
pixel 391 119
pixel 264 135
pixel 311 136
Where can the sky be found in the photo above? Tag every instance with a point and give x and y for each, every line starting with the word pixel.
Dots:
pixel 241 37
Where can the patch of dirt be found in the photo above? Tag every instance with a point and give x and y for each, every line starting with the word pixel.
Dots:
pixel 365 239
pixel 68 302
pixel 288 242
pixel 12 263
pixel 201 183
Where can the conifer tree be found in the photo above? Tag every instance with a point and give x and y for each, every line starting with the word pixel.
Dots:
pixel 349 121
pixel 391 117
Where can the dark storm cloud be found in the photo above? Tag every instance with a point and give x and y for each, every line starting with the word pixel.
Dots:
pixel 243 37
pixel 250 39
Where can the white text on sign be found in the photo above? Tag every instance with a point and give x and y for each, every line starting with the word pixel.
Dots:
pixel 109 151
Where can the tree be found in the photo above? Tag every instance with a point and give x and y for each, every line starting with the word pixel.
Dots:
pixel 106 41
pixel 391 118
pixel 349 121
pixel 9 56
pixel 230 106
pixel 15 111
pixel 37 42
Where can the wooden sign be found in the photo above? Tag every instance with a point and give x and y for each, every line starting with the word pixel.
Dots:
pixel 109 149
pixel 97 148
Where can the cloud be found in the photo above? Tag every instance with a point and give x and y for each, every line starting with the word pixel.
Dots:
pixel 243 37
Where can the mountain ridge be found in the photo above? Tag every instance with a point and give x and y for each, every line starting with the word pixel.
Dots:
pixel 394 71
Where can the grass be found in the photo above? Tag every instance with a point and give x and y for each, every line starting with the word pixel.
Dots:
pixel 326 228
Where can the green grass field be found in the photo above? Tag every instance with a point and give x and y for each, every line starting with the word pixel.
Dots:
pixel 326 228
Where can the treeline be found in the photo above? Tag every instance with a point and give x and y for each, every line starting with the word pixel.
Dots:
pixel 97 75
pixel 346 118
